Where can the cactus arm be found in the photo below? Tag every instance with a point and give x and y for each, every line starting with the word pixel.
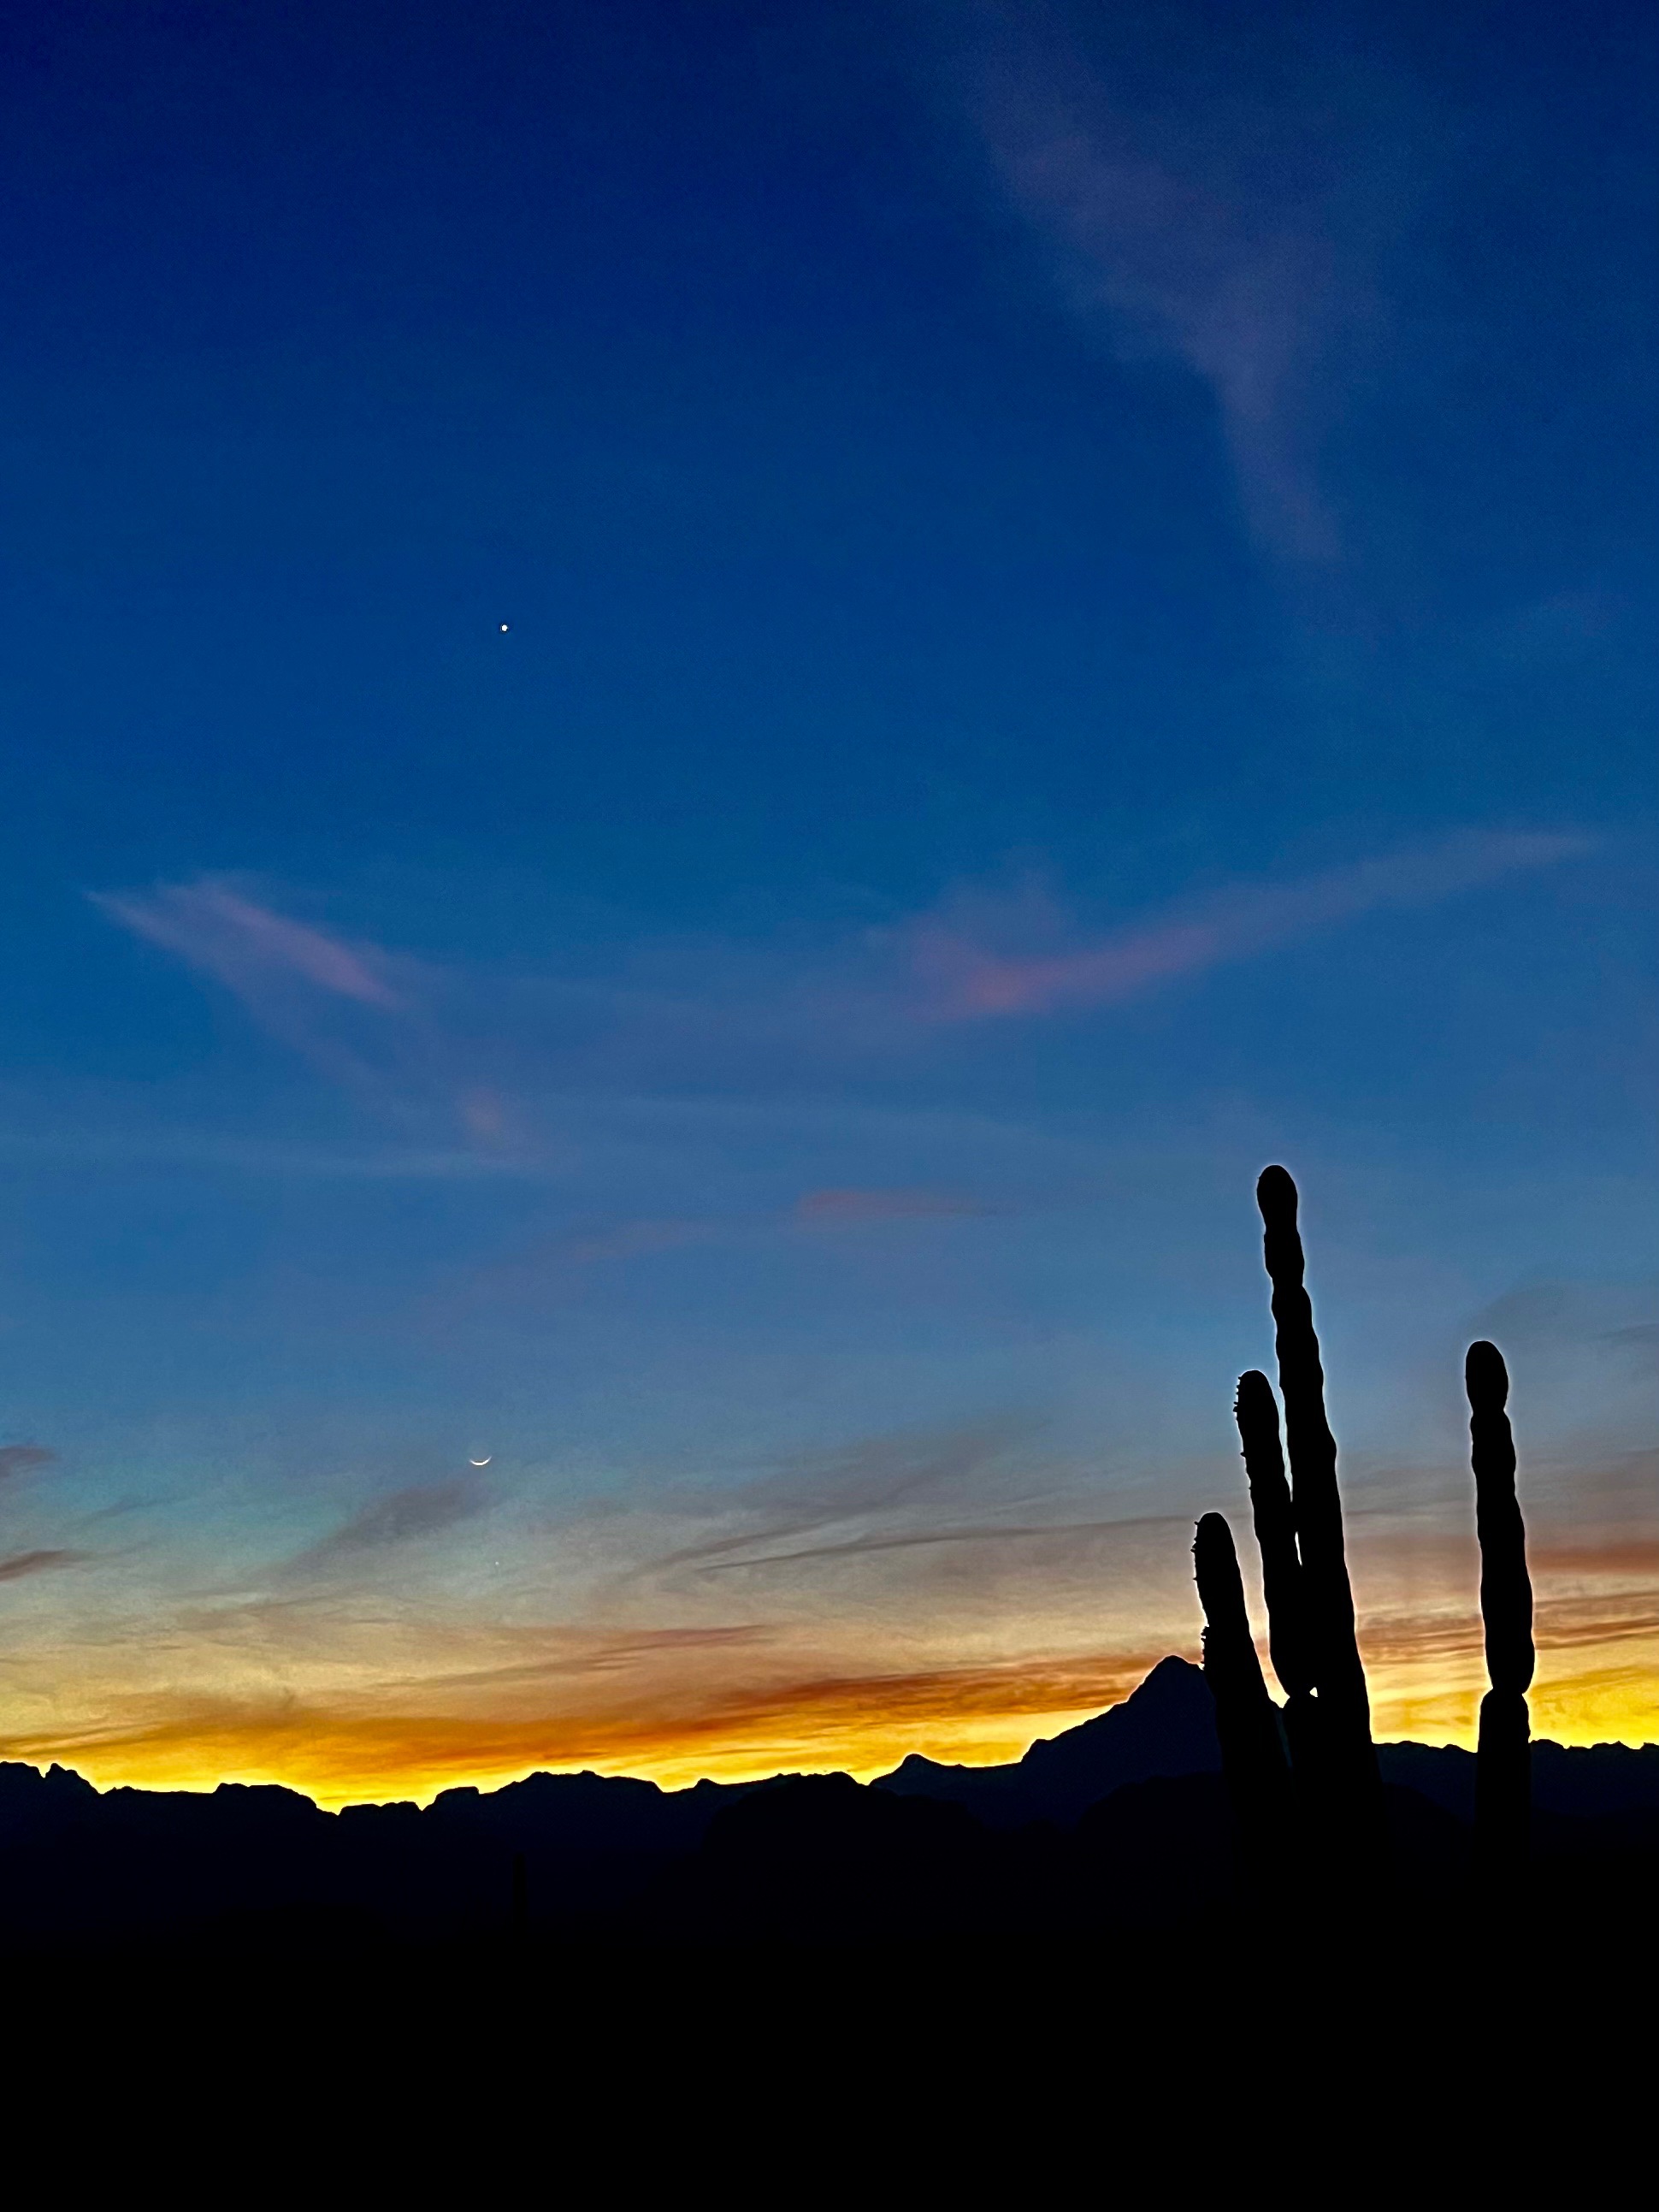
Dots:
pixel 1252 1754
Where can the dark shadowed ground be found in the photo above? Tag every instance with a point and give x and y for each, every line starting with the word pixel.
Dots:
pixel 706 1972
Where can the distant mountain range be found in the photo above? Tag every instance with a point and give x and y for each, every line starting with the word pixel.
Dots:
pixel 1122 1820
pixel 1165 1728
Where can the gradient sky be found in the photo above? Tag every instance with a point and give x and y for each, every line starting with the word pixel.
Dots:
pixel 714 712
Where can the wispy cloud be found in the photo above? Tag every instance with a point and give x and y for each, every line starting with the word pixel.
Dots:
pixel 23 1458
pixel 366 1018
pixel 628 1240
pixel 248 947
pixel 418 1510
pixel 1002 1534
pixel 964 981
pixel 883 1492
pixel 38 1563
pixel 500 1064
pixel 561 1266
pixel 1615 1558
pixel 854 1209
pixel 331 1001
pixel 1229 217
pixel 196 1148
pixel 312 1685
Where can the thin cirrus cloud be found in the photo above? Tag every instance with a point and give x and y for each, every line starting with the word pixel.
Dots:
pixel 1242 235
pixel 399 1518
pixel 426 1045
pixel 23 1458
pixel 861 1208
pixel 416 1696
pixel 1005 1536
pixel 909 1479
pixel 37 1563
pixel 962 981
pixel 332 1002
pixel 245 946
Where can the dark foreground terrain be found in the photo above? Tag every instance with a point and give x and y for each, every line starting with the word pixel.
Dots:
pixel 996 1966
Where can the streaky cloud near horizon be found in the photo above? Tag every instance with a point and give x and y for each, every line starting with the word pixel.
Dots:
pixel 398 1516
pixel 394 1688
pixel 37 1563
pixel 23 1458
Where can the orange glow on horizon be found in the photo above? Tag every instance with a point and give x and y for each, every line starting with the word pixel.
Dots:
pixel 354 1702
pixel 1608 1691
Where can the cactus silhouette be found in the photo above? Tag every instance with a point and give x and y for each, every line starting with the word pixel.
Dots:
pixel 1252 1756
pixel 1337 1794
pixel 1304 1576
pixel 1323 1642
pixel 1503 1768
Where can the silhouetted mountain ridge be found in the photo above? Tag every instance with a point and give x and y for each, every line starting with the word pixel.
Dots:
pixel 1166 1727
pixel 1121 1820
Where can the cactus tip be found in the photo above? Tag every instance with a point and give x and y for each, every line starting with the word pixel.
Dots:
pixel 1275 1192
pixel 1255 1390
pixel 1484 1376
pixel 1213 1535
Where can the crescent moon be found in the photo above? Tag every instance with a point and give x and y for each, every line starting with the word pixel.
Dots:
pixel 485 1462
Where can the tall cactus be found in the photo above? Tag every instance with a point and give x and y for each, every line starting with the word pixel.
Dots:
pixel 1502 1791
pixel 1347 1756
pixel 1312 1638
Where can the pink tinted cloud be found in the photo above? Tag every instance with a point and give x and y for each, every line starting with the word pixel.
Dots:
pixel 840 1209
pixel 628 1240
pixel 486 1116
pixel 331 1001
pixel 246 946
pixel 964 980
pixel 23 1458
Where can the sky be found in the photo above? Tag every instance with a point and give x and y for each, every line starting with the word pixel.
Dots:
pixel 714 712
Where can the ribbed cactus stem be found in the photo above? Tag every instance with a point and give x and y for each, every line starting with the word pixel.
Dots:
pixel 1333 1648
pixel 1503 1791
pixel 1252 1754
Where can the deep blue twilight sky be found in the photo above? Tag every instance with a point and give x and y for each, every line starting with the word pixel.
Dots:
pixel 714 712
